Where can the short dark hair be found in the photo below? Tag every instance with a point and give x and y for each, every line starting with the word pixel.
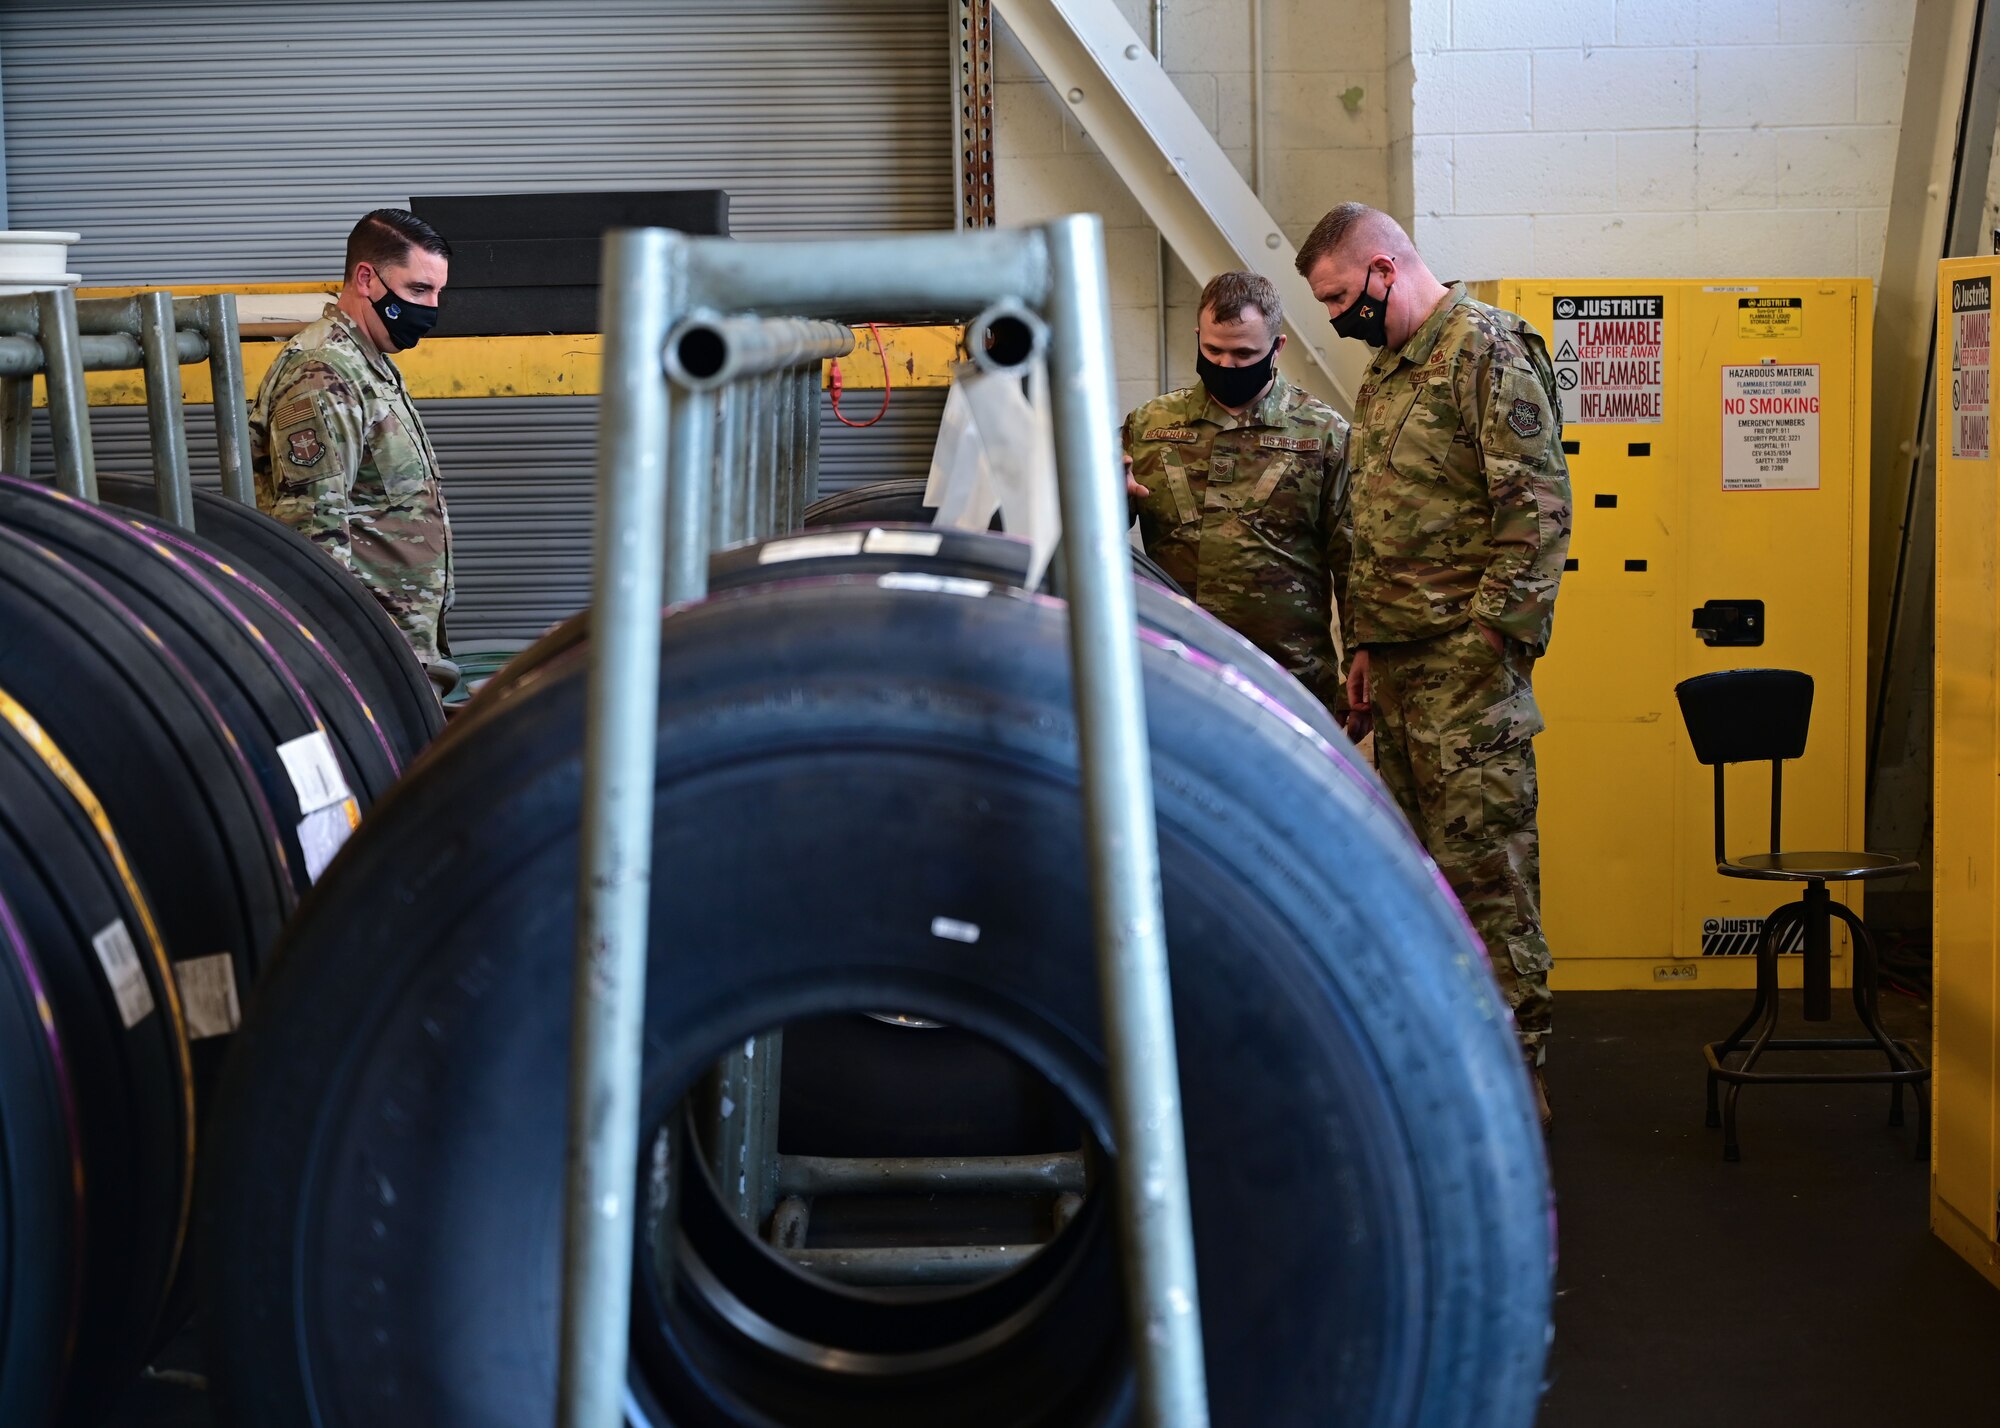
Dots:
pixel 1227 294
pixel 387 235
pixel 1347 221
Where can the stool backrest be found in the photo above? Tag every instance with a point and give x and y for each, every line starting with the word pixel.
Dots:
pixel 1742 716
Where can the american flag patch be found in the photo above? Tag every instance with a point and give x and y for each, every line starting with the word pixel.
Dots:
pixel 297 410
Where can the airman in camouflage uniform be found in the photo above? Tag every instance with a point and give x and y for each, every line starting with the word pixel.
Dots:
pixel 341 456
pixel 1451 550
pixel 1238 505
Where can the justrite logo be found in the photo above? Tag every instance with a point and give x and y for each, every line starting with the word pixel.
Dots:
pixel 1973 293
pixel 1603 307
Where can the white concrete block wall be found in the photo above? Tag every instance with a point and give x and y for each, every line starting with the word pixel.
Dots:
pixel 1317 152
pixel 1649 137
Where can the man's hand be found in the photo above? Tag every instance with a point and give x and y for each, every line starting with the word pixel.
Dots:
pixel 1492 637
pixel 1360 712
pixel 1133 488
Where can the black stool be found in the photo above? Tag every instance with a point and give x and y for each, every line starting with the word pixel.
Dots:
pixel 1746 715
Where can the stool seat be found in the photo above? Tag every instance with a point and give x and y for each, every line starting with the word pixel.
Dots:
pixel 1845 866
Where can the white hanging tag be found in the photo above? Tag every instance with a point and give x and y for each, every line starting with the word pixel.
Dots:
pixel 1016 437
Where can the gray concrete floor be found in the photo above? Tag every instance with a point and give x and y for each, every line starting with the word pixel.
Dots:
pixel 1799 1287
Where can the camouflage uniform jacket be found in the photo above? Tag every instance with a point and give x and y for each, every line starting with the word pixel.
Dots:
pixel 1458 506
pixel 1240 513
pixel 342 457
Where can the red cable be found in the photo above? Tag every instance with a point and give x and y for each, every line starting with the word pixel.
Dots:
pixel 833 384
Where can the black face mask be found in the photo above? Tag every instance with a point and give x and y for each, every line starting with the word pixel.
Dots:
pixel 1236 386
pixel 405 321
pixel 1365 319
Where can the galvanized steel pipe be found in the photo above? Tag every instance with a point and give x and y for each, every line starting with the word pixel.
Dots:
pixel 232 399
pixel 913 1264
pixel 1006 339
pixel 813 437
pixel 726 505
pixel 69 403
pixel 914 278
pixel 614 883
pixel 810 1175
pixel 710 351
pixel 785 474
pixel 770 482
pixel 17 406
pixel 21 356
pixel 1155 1225
pixel 691 453
pixel 104 317
pixel 166 417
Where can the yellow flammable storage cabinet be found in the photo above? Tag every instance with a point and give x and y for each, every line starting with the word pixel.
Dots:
pixel 1965 1155
pixel 1717 434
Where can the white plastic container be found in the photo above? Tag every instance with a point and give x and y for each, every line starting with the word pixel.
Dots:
pixel 32 261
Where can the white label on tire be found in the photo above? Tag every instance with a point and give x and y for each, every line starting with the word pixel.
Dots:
pixel 934 584
pixel 316 775
pixel 903 543
pixel 809 547
pixel 120 961
pixel 952 930
pixel 208 995
pixel 321 835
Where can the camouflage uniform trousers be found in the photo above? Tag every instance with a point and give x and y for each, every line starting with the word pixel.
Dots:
pixel 1454 722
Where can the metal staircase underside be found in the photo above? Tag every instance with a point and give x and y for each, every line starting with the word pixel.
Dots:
pixel 1178 173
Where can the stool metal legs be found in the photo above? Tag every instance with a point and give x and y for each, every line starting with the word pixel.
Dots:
pixel 1813 915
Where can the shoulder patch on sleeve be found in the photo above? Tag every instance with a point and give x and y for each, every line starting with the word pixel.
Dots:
pixel 303 446
pixel 1518 422
pixel 292 413
pixel 1525 417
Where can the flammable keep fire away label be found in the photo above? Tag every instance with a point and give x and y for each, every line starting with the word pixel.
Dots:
pixel 1971 369
pixel 1609 355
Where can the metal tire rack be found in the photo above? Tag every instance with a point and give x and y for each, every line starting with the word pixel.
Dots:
pixel 697 332
pixel 61 338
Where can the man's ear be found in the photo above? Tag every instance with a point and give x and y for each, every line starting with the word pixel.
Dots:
pixel 1279 345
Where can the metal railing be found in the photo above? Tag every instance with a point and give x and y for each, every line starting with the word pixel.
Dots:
pixel 689 444
pixel 60 338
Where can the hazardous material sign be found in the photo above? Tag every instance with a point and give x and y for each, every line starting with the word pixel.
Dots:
pixel 1770 428
pixel 1771 317
pixel 1608 358
pixel 1971 369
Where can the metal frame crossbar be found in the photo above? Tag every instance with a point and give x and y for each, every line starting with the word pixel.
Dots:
pixel 667 491
pixel 60 338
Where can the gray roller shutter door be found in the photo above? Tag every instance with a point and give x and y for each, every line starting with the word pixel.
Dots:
pixel 238 141
pixel 521 519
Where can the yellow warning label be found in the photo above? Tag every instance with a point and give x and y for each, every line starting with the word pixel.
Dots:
pixel 1770 317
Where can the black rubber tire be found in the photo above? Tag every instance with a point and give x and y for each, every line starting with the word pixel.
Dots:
pixel 839 763
pixel 307 653
pixel 208 848
pixel 268 678
pixel 337 607
pixel 969 555
pixel 96 1118
pixel 902 500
